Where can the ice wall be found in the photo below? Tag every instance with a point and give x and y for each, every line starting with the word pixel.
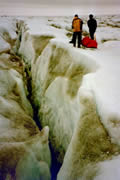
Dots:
pixel 68 106
pixel 24 150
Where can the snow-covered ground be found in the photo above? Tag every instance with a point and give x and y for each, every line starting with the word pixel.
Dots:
pixel 77 92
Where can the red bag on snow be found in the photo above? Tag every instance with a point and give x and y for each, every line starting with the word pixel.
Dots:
pixel 89 43
pixel 85 41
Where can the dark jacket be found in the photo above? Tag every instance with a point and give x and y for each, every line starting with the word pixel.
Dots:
pixel 92 24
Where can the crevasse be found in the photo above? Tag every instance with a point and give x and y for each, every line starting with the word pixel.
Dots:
pixel 67 105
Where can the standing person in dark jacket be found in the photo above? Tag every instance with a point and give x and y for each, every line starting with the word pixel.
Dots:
pixel 92 25
pixel 77 30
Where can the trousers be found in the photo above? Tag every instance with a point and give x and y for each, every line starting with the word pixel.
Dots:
pixel 92 34
pixel 77 35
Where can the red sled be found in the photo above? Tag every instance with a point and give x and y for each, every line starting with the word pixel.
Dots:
pixel 89 43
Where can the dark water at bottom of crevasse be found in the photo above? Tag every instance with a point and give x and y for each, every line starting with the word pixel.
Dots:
pixel 55 165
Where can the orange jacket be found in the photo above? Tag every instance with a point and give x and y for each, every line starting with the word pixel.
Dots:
pixel 77 24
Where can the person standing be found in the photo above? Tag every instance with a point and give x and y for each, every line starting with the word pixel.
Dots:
pixel 77 24
pixel 92 25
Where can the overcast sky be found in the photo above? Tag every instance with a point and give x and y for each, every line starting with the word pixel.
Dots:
pixel 58 7
pixel 67 2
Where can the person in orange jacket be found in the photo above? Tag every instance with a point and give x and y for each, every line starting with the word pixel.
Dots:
pixel 77 24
